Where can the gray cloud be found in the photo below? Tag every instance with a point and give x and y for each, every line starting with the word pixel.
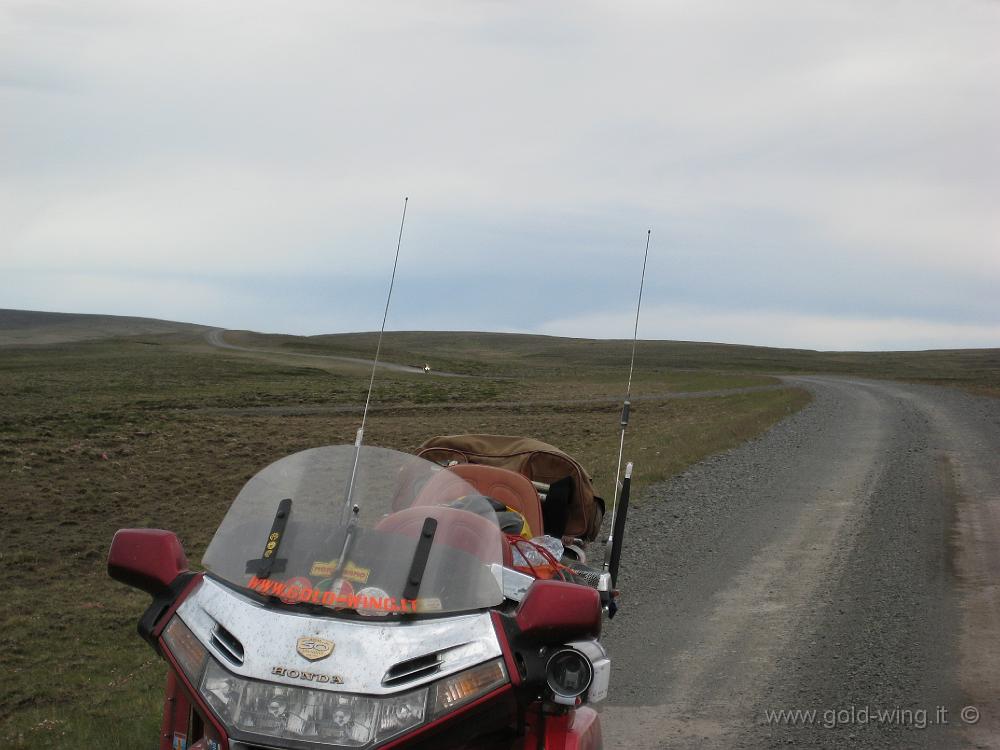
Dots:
pixel 816 161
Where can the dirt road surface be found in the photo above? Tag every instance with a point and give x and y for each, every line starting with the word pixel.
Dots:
pixel 217 337
pixel 845 563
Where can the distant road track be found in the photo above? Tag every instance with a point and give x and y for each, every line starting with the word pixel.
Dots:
pixel 847 559
pixel 216 337
pixel 299 410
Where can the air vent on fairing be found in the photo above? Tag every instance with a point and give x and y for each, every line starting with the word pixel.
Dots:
pixel 412 669
pixel 228 645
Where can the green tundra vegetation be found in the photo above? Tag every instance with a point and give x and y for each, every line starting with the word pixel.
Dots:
pixel 158 428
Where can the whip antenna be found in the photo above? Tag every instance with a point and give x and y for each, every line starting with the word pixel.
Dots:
pixel 622 487
pixel 358 439
pixel 385 316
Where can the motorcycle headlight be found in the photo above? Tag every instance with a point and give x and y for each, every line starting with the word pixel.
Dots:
pixel 290 712
pixel 300 713
pixel 340 719
pixel 568 675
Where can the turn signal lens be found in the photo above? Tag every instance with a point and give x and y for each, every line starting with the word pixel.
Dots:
pixel 187 649
pixel 461 688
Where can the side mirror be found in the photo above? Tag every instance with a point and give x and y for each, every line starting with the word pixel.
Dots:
pixel 148 559
pixel 558 610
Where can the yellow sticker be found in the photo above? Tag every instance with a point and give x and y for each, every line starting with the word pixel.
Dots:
pixel 428 604
pixel 351 573
pixel 357 574
pixel 323 569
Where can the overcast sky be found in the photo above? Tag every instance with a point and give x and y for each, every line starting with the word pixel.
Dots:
pixel 818 174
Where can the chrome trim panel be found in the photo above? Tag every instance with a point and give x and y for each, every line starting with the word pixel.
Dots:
pixel 514 583
pixel 595 651
pixel 602 678
pixel 363 652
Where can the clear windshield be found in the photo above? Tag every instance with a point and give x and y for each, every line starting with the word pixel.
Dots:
pixel 413 539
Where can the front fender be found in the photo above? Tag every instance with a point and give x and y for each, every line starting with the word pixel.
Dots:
pixel 579 729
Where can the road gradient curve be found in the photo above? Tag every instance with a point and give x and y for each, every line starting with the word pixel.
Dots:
pixel 217 338
pixel 844 563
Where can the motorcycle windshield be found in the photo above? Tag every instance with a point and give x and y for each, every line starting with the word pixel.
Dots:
pixel 413 538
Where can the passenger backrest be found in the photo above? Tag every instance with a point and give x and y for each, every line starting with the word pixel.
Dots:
pixel 459 529
pixel 510 488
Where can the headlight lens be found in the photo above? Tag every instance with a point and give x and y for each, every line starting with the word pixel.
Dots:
pixel 288 712
pixel 341 719
pixel 324 717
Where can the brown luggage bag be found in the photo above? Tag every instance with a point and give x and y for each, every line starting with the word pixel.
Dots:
pixel 538 461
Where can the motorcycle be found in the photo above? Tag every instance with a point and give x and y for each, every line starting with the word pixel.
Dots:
pixel 355 596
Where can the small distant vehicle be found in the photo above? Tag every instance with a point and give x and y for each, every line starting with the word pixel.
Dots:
pixel 360 597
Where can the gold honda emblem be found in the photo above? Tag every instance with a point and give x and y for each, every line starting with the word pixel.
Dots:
pixel 313 648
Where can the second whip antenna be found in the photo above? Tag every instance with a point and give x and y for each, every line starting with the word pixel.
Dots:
pixel 613 550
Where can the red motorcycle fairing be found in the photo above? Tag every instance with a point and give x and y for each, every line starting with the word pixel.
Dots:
pixel 195 723
pixel 578 729
pixel 489 723
pixel 546 614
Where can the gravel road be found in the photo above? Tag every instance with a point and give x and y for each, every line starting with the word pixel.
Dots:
pixel 217 337
pixel 844 563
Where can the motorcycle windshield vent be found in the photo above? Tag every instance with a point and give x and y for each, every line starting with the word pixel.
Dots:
pixel 228 645
pixel 412 669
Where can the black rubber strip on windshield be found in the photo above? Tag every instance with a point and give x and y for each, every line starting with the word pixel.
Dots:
pixel 268 562
pixel 420 556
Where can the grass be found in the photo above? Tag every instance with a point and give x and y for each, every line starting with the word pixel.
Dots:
pixel 162 430
pixel 977 370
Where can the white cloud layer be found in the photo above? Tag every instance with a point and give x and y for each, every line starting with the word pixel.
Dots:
pixel 780 329
pixel 842 155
